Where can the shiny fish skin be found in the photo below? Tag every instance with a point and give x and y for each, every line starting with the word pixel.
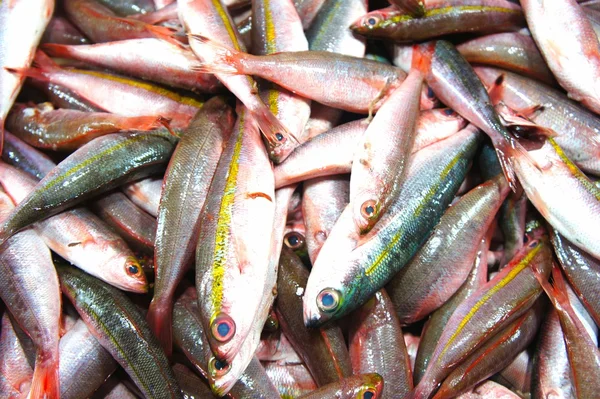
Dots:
pixel 191 385
pixel 323 351
pixel 80 237
pixel 377 345
pixel 66 130
pixel 514 51
pixel 352 387
pixel 495 354
pixel 187 180
pixel 323 200
pixel 121 329
pixel 577 129
pixel 22 155
pixel 435 325
pixel 15 371
pixel 357 268
pixel 443 263
pixel 291 380
pixel 582 271
pixel 277 27
pixel 32 295
pixel 22 23
pixel 121 156
pixel 442 18
pixel 145 193
pixel 232 255
pixel 569 45
pixel 60 30
pixel 149 58
pixel 492 307
pixel 84 363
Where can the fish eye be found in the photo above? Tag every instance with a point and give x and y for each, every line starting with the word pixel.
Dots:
pixel 132 267
pixel 368 394
pixel 328 300
pixel 279 136
pixel 293 240
pixel 218 368
pixel 533 244
pixel 369 209
pixel 372 21
pixel 448 111
pixel 222 328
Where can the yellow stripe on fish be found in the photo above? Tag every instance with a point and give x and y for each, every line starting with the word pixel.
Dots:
pixel 225 18
pixel 575 171
pixel 445 10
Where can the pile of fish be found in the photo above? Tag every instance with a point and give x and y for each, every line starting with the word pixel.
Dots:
pixel 299 199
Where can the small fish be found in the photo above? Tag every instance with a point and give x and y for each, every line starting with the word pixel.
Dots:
pixel 363 386
pixel 145 193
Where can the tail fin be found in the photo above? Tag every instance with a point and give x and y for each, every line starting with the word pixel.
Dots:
pixel 222 59
pixel 143 123
pixel 40 65
pixel 557 292
pixel 164 33
pixel 45 382
pixel 159 318
pixel 57 50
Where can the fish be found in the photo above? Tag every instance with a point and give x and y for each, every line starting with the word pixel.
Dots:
pixel 186 183
pixel 60 30
pixel 121 156
pixel 441 17
pixel 145 193
pixel 122 330
pixel 443 263
pixel 25 20
pixel 569 45
pixel 364 386
pixel 377 345
pixel 350 269
pixel 15 372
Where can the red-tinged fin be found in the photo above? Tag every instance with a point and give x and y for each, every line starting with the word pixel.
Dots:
pixel 166 123
pixel 45 382
pixel 422 56
pixel 224 60
pixel 520 124
pixel 57 50
pixel 159 317
pixel 164 33
pixel 272 128
pixel 143 123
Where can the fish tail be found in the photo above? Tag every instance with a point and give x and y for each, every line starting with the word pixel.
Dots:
pixel 222 59
pixel 159 318
pixel 40 65
pixel 57 50
pixel 45 382
pixel 557 292
pixel 143 123
pixel 164 33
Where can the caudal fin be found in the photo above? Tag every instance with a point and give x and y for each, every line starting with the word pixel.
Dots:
pixel 45 382
pixel 159 317
pixel 222 59
pixel 58 50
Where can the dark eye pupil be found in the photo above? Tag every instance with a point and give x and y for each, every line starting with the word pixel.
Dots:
pixel 370 210
pixel 327 300
pixel 372 21
pixel 368 395
pixel 448 111
pixel 279 136
pixel 220 365
pixel 133 269
pixel 223 329
pixel 430 93
pixel 293 240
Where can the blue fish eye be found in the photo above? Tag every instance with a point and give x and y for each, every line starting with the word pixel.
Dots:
pixel 223 329
pixel 368 395
pixel 327 300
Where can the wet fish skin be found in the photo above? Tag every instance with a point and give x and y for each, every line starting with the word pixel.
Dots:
pixel 323 351
pixel 577 129
pixel 517 375
pixel 121 156
pixel 442 264
pixel 15 371
pixel 25 20
pixel 145 193
pixel 238 214
pixel 20 154
pixel 514 51
pixel 291 380
pixel 352 269
pixel 66 130
pixel 60 30
pixel 377 345
pixel 129 7
pixel 84 363
pixel 551 369
pixel 582 271
pixel 569 45
pixel 32 295
pixel 148 58
pixel 122 330
pixel 441 18
pixel 495 354
pixel 492 307
pixel 357 386
pixel 186 183
pixel 277 27
pixel 323 200
pixel 191 385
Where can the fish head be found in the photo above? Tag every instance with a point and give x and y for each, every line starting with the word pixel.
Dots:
pixel 223 337
pixel 131 276
pixel 323 306
pixel 371 387
pixel 380 20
